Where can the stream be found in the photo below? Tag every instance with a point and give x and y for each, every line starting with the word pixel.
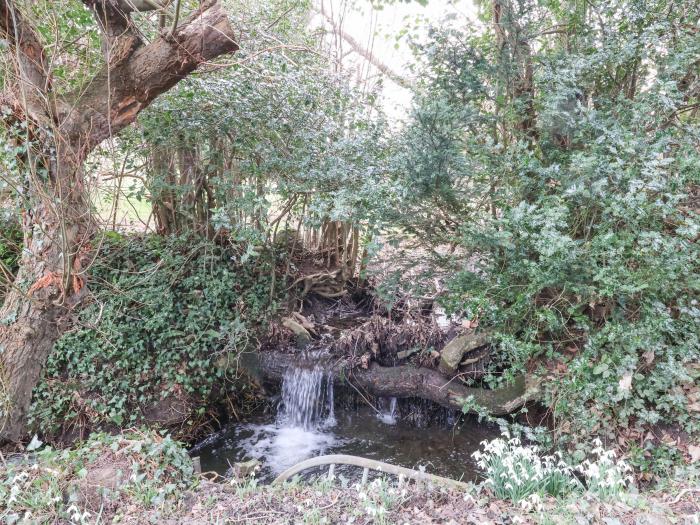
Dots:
pixel 309 422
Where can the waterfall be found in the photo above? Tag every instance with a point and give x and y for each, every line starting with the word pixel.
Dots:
pixel 387 414
pixel 330 400
pixel 307 398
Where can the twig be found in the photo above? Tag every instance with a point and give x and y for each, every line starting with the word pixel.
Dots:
pixel 176 19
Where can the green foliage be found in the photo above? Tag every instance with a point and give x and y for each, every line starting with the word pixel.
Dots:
pixel 57 484
pixel 280 128
pixel 164 310
pixel 575 235
pixel 10 249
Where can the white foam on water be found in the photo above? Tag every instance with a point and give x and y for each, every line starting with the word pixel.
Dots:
pixel 388 415
pixel 280 446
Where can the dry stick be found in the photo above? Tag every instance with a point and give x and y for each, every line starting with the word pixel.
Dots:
pixel 355 250
pixel 337 239
pixel 294 244
pixel 115 206
pixel 177 16
pixel 344 243
pixel 287 207
pixel 683 493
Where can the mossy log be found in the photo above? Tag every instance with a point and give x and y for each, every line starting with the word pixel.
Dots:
pixel 410 381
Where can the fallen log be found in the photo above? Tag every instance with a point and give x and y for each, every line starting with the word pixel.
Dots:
pixel 409 381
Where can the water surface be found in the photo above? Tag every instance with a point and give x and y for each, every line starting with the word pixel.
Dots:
pixel 309 424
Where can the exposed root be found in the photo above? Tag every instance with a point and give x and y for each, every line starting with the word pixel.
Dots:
pixel 327 284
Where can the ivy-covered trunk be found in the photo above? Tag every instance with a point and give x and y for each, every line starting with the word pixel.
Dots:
pixel 55 134
pixel 57 230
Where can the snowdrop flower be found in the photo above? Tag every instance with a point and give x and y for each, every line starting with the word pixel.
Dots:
pixel 14 492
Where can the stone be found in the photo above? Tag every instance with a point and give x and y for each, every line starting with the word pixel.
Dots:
pixel 451 355
pixel 301 334
pixel 92 491
pixel 168 411
pixel 244 469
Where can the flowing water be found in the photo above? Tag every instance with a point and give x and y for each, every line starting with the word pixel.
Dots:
pixel 387 411
pixel 308 424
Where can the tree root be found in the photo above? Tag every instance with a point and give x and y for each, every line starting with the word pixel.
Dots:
pixel 329 285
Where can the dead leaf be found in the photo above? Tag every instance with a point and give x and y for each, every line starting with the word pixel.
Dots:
pixel 694 452
pixel 625 384
pixel 364 361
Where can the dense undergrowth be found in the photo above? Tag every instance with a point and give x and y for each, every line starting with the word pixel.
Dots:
pixel 572 212
pixel 159 339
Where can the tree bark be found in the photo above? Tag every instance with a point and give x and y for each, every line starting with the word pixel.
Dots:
pixel 57 223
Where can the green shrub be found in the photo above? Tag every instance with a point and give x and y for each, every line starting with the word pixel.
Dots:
pixel 572 221
pixel 164 311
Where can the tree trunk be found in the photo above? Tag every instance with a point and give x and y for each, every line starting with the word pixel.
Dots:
pixel 57 223
pixel 50 282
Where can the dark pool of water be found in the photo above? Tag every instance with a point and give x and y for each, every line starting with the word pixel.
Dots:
pixel 444 450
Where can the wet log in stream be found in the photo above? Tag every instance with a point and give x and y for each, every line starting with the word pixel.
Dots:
pixel 407 381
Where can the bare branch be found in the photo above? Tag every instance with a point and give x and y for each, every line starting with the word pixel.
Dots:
pixel 365 53
pixel 177 16
pixel 31 61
